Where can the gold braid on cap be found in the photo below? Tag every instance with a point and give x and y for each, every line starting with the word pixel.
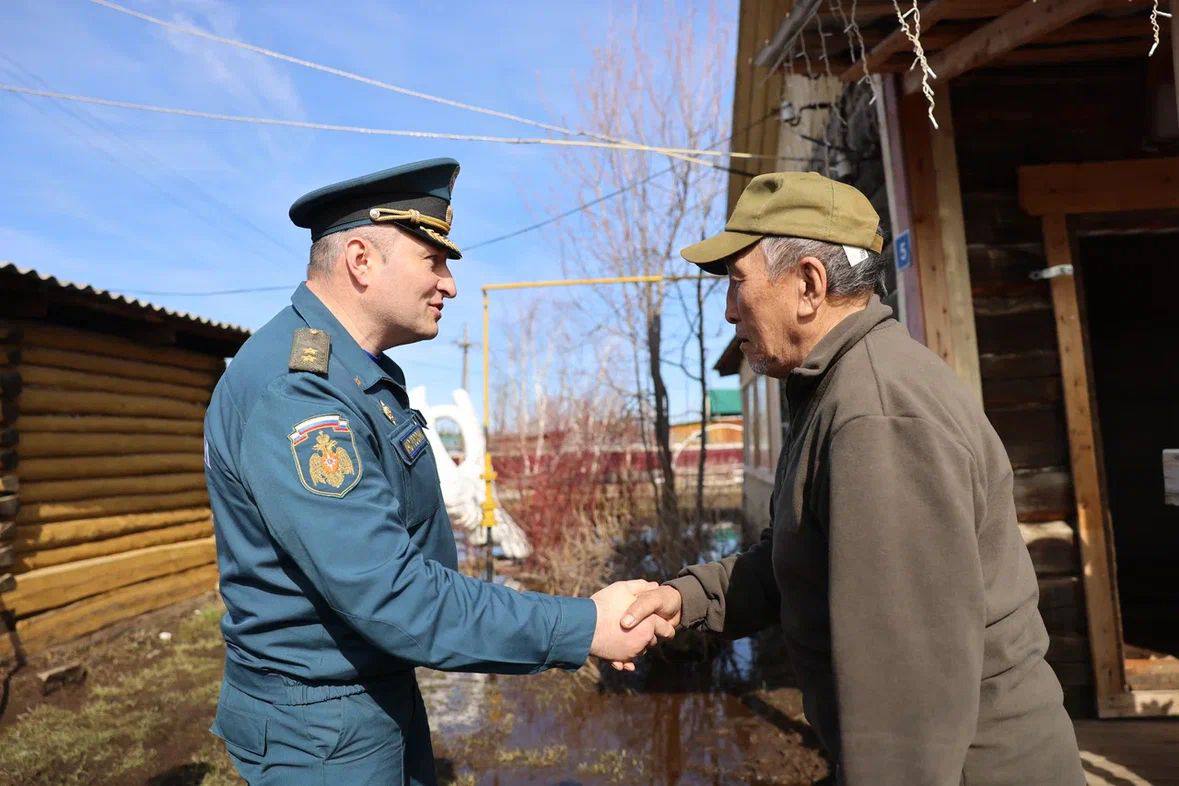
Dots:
pixel 379 214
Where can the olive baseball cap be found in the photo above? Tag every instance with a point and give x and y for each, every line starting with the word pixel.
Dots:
pixel 791 204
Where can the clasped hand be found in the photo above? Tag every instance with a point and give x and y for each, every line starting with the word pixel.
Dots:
pixel 633 616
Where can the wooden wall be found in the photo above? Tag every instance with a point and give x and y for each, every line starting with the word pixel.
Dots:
pixel 105 512
pixel 757 93
pixel 1003 119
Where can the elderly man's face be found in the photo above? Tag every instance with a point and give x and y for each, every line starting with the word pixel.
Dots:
pixel 407 285
pixel 766 314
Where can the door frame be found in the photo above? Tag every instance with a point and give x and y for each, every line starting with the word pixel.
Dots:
pixel 1054 192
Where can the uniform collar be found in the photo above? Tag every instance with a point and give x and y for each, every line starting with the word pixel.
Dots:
pixel 832 347
pixel 363 366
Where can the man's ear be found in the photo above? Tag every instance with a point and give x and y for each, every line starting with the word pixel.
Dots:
pixel 812 286
pixel 358 258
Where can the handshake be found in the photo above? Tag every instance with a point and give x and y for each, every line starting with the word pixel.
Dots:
pixel 632 616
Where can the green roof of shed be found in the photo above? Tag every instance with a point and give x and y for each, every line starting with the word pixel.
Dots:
pixel 724 402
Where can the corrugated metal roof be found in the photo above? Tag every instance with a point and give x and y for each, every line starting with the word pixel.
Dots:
pixel 111 297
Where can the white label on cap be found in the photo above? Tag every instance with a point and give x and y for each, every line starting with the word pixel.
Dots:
pixel 855 255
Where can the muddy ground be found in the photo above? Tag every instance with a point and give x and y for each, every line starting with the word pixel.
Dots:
pixel 141 717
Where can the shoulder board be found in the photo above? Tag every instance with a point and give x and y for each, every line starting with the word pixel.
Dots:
pixel 310 350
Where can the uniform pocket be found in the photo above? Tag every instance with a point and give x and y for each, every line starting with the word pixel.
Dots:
pixel 240 729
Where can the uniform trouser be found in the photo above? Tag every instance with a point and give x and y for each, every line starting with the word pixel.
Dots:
pixel 376 736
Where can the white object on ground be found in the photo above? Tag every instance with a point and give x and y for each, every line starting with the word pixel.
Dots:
pixel 165 636
pixel 462 484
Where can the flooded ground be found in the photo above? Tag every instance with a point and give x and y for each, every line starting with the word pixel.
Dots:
pixel 732 718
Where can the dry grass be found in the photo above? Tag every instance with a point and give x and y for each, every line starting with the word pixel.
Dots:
pixel 119 724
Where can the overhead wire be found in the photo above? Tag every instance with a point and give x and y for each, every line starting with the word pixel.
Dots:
pixel 515 233
pixel 184 203
pixel 194 31
pixel 268 121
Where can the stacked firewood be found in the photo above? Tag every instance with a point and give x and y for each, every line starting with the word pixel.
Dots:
pixel 103 507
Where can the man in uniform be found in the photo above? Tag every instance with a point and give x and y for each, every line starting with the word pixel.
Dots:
pixel 893 561
pixel 337 559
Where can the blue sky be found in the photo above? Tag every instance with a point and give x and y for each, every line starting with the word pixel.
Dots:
pixel 137 202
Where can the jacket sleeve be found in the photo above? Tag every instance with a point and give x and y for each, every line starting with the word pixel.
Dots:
pixel 355 550
pixel 906 601
pixel 735 597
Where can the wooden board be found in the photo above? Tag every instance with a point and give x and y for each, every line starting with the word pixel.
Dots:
pixel 47 376
pixel 58 585
pixel 23 563
pixel 113 424
pixel 35 537
pixel 86 616
pixel 938 234
pixel 128 369
pixel 1100 187
pixel 1043 494
pixel 1171 477
pixel 86 488
pixel 1053 547
pixel 44 444
pixel 1092 511
pixel 46 401
pixel 115 466
pixel 38 334
pixel 1023 24
pixel 44 512
pixel 9 505
pixel 9 483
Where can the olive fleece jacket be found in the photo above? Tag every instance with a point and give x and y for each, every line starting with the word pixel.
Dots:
pixel 897 571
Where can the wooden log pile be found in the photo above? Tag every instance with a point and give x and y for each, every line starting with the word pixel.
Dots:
pixel 103 508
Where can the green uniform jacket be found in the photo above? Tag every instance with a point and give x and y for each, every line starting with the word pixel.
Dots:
pixel 896 568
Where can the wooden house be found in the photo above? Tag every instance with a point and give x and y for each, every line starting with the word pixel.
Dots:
pixel 1035 241
pixel 104 512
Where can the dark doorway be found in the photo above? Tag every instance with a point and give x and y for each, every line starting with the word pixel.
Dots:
pixel 1131 288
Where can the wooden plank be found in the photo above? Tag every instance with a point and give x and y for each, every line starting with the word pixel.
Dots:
pixel 8 437
pixel 1077 53
pixel 10 384
pixel 9 505
pixel 112 424
pixel 1092 511
pixel 1017 27
pixel 8 460
pixel 9 483
pixel 58 534
pixel 742 91
pixel 1152 673
pixel 58 585
pixel 899 206
pixel 6 556
pixel 7 528
pixel 86 616
pixel 931 13
pixel 939 236
pixel 1034 437
pixel 9 411
pixel 1143 704
pixel 126 369
pixel 115 466
pixel 46 512
pixel 1018 365
pixel 48 376
pixel 40 334
pixel 7 584
pixel 45 401
pixel 87 488
pixel 23 563
pixel 1053 547
pixel 44 444
pixel 1100 187
pixel 1044 494
pixel 1171 477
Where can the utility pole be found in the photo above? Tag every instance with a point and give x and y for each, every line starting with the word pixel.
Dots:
pixel 465 345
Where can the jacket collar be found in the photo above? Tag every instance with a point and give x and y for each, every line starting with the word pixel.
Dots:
pixel 362 365
pixel 832 347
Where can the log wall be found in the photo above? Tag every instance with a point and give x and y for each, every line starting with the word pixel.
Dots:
pixel 103 508
pixel 1002 120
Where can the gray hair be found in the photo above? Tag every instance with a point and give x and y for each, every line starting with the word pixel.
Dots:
pixel 326 250
pixel 844 281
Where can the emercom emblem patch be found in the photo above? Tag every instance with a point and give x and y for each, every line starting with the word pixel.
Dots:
pixel 324 451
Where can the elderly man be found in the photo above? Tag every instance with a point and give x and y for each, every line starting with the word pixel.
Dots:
pixel 338 564
pixel 893 563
